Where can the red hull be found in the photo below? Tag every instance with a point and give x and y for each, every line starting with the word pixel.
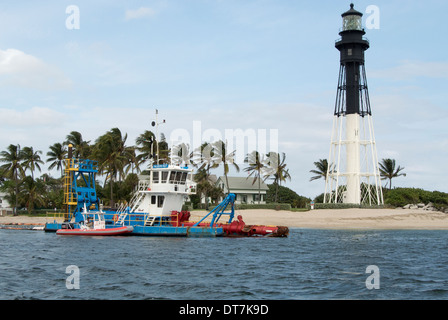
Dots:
pixel 236 227
pixel 97 232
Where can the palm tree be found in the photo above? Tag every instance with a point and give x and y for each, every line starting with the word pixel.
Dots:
pixel 31 159
pixel 31 193
pixel 146 145
pixel 57 154
pixel 133 161
pixel 163 150
pixel 322 169
pixel 180 154
pixel 222 155
pixel 256 168
pixel 388 171
pixel 113 155
pixel 13 168
pixel 279 170
pixel 81 148
pixel 203 158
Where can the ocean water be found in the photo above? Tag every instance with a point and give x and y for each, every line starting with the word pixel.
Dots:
pixel 309 264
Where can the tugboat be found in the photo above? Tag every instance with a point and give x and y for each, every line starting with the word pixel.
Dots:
pixel 154 210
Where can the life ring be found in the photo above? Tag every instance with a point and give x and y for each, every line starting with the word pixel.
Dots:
pixel 115 217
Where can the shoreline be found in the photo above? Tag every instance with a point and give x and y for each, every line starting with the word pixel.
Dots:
pixel 344 219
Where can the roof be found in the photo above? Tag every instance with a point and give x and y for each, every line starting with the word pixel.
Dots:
pixel 243 183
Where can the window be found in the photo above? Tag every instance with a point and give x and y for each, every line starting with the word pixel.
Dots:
pixel 153 199
pixel 155 177
pixel 178 177
pixel 160 201
pixel 172 176
pixel 349 52
pixel 184 177
pixel 164 176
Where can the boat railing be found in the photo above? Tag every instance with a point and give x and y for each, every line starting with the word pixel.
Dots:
pixel 56 216
pixel 143 219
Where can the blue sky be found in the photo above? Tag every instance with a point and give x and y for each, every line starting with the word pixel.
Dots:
pixel 230 65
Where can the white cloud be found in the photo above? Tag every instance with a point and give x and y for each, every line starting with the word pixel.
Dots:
pixel 139 13
pixel 20 69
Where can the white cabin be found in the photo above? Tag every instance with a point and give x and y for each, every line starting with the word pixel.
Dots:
pixel 163 191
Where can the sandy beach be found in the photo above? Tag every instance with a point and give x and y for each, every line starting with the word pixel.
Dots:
pixel 346 218
pixel 320 219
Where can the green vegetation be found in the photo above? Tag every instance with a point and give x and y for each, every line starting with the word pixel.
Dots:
pixel 400 197
pixel 286 196
pixel 388 170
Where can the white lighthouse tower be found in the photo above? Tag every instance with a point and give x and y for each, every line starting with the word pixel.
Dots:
pixel 353 175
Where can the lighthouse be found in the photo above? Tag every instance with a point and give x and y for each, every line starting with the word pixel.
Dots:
pixel 352 175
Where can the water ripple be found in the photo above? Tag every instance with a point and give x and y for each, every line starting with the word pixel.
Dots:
pixel 310 264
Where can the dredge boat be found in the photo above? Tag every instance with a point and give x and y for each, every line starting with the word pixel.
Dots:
pixel 154 210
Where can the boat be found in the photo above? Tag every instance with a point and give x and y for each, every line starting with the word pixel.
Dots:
pixel 94 226
pixel 119 231
pixel 155 208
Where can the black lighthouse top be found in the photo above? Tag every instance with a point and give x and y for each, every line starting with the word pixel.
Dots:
pixel 352 46
pixel 352 36
pixel 351 19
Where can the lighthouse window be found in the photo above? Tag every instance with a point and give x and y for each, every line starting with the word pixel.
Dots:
pixel 349 51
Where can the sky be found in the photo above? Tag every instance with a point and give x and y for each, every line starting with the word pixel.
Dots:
pixel 266 67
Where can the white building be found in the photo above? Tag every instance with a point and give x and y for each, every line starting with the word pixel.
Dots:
pixel 245 190
pixel 5 208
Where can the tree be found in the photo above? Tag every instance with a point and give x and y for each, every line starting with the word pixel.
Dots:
pixel 13 168
pixel 163 150
pixel 31 193
pixel 57 154
pixel 222 155
pixel 278 169
pixel 203 158
pixel 133 161
pixel 256 168
pixel 146 146
pixel 322 169
pixel 113 155
pixel 204 186
pixel 81 148
pixel 31 159
pixel 388 171
pixel 180 154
